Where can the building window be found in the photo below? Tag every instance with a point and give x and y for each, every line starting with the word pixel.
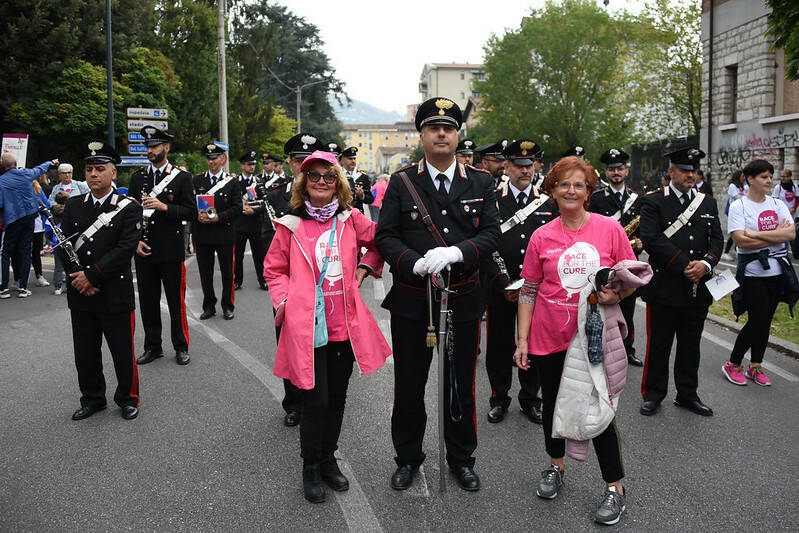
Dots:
pixel 479 76
pixel 475 94
pixel 462 75
pixel 731 75
pixel 463 95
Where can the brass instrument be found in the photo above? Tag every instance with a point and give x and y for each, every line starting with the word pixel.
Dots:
pixel 512 287
pixel 211 212
pixel 631 228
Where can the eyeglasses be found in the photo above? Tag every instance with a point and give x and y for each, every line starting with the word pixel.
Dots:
pixel 565 186
pixel 314 177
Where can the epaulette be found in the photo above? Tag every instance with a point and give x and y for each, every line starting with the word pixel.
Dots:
pixel 478 169
pixel 404 168
pixel 650 193
pixel 420 166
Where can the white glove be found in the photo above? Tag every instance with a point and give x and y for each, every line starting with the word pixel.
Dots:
pixel 436 259
pixel 419 269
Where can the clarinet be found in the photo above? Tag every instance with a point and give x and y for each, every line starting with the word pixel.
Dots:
pixel 73 264
pixel 145 223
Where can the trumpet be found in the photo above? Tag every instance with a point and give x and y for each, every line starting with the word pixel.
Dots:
pixel 211 212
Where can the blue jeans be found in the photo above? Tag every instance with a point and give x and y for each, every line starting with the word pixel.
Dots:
pixel 17 242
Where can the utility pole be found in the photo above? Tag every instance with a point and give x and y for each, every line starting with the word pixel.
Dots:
pixel 299 101
pixel 220 34
pixel 110 79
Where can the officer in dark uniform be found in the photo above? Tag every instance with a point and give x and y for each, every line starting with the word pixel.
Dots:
pixel 619 202
pixel 215 232
pixel 250 224
pixel 703 185
pixel 297 149
pixel 270 180
pixel 464 153
pixel 461 203
pixel 677 299
pixel 575 151
pixel 359 182
pixel 100 290
pixel 523 208
pixel 493 161
pixel 160 255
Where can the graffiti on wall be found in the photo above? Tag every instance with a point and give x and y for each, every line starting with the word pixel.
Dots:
pixel 727 160
pixel 781 139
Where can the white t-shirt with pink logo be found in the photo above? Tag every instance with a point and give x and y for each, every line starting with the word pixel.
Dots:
pixel 561 261
pixel 764 216
pixel 333 285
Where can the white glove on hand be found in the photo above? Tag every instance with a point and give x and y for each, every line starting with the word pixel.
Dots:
pixel 419 269
pixel 438 258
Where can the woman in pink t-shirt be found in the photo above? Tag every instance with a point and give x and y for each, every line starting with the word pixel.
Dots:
pixel 292 269
pixel 558 260
pixel 379 191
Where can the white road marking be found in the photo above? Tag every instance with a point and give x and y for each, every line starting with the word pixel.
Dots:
pixel 419 488
pixel 728 346
pixel 385 327
pixel 354 504
pixel 379 288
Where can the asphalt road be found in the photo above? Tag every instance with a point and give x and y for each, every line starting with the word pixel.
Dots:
pixel 209 452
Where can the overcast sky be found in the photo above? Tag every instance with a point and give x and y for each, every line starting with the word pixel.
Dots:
pixel 379 47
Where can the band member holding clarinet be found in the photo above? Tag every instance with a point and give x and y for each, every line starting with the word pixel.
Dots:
pixel 105 229
pixel 167 197
pixel 435 215
pixel 250 224
pixel 218 206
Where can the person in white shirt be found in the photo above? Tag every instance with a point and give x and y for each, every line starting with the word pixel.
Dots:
pixel 67 184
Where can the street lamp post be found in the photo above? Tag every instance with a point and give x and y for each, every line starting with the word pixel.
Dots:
pixel 299 101
pixel 220 33
pixel 110 80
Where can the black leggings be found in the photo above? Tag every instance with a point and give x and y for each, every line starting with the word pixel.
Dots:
pixel 323 406
pixel 607 445
pixel 761 296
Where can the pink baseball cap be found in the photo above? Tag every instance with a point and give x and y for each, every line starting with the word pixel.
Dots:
pixel 318 155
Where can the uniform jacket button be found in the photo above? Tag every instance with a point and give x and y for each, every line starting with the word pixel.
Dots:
pixel 89 252
pixel 444 212
pixel 689 224
pixel 522 235
pixel 522 250
pixel 521 266
pixel 446 230
pixel 690 237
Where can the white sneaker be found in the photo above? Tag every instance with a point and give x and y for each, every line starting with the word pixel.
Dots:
pixel 5 293
pixel 41 282
pixel 59 290
pixel 24 293
pixel 726 257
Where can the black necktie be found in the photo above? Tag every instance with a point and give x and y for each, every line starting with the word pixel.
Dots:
pixel 213 181
pixel 520 200
pixel 442 188
pixel 97 206
pixel 156 177
pixel 619 197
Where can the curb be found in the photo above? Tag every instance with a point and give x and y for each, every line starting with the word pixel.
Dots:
pixel 781 345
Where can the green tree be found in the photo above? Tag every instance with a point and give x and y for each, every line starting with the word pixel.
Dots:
pixel 784 26
pixel 555 79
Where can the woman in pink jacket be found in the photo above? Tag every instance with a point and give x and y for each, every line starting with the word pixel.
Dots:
pixel 297 257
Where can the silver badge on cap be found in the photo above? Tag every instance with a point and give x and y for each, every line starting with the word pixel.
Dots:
pixel 210 147
pixel 94 146
pixel 614 153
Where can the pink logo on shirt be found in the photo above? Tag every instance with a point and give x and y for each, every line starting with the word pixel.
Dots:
pixel 768 220
pixel 575 264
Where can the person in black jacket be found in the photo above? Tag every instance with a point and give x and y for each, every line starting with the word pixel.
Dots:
pixel 250 224
pixel 523 208
pixel 107 228
pixel 167 197
pixel 620 202
pixel 214 231
pixel 460 201
pixel 359 182
pixel 676 297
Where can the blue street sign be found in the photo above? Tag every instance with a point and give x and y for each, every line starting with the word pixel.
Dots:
pixel 132 161
pixel 223 146
pixel 404 160
pixel 135 137
pixel 137 149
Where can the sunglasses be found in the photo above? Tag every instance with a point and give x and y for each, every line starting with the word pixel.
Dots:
pixel 314 177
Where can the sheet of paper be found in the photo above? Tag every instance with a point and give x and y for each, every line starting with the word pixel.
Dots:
pixel 721 284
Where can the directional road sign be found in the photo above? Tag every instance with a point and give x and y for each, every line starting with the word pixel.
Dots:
pixel 132 161
pixel 146 112
pixel 223 146
pixel 135 137
pixel 137 149
pixel 139 124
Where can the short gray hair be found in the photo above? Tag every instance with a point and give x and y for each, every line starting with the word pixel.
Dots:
pixel 8 160
pixel 64 168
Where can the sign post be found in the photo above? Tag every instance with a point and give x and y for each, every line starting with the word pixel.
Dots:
pixel 17 144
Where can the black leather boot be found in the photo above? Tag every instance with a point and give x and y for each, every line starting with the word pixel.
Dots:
pixel 312 483
pixel 331 474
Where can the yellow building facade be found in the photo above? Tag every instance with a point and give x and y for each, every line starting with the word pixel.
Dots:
pixel 369 138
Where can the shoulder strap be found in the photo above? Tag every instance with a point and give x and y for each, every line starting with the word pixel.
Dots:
pixel 158 189
pixel 103 219
pixel 522 214
pixel 428 222
pixel 219 184
pixel 685 216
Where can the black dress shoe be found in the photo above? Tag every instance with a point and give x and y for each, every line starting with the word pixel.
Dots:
pixel 86 411
pixel 695 405
pixel 291 419
pixel 182 357
pixel 331 474
pixel 633 360
pixel 227 314
pixel 533 413
pixel 237 286
pixel 403 477
pixel 467 479
pixel 312 484
pixel 129 412
pixel 207 314
pixel 149 356
pixel 649 407
pixel 496 414
pixel 264 287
